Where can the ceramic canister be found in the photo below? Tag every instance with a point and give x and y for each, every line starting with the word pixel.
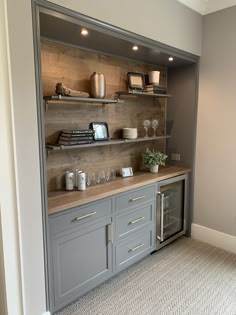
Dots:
pixel 98 85
pixel 154 77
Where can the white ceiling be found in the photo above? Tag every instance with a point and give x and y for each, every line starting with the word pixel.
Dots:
pixel 208 6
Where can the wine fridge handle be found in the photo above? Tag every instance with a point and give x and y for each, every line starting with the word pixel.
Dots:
pixel 161 237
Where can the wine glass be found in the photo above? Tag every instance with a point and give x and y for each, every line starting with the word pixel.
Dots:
pixel 154 126
pixel 88 181
pixel 101 177
pixel 108 175
pixel 91 178
pixel 146 125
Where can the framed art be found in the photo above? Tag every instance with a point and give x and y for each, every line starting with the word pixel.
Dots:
pixel 136 81
pixel 101 131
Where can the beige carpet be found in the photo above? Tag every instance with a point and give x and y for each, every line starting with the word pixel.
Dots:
pixel 185 277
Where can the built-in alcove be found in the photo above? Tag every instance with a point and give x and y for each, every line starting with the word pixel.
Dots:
pixel 61 54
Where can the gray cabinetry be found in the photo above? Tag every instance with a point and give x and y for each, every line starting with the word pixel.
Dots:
pixel 134 226
pixel 81 251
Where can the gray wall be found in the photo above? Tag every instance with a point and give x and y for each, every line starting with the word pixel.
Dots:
pixel 181 121
pixel 215 202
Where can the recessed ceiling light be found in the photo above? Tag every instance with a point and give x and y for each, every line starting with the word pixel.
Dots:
pixel 135 48
pixel 84 32
pixel 171 59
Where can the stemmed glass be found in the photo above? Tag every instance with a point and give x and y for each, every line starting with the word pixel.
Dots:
pixel 154 126
pixel 146 125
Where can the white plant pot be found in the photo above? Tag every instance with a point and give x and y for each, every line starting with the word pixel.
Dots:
pixel 154 168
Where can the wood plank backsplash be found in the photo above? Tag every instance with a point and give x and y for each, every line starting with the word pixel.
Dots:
pixel 73 66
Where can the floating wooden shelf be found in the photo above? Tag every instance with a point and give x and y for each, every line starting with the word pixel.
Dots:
pixel 80 99
pixel 136 93
pixel 56 147
pixel 66 99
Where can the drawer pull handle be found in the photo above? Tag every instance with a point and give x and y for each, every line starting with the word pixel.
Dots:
pixel 138 198
pixel 135 248
pixel 84 216
pixel 137 220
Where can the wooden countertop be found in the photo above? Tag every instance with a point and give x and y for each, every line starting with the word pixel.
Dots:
pixel 62 200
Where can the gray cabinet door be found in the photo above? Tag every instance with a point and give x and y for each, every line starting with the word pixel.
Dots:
pixel 81 260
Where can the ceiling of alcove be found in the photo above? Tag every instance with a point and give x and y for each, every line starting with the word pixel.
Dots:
pixel 60 28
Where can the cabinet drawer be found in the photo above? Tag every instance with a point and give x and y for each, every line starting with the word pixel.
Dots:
pixel 134 197
pixel 133 220
pixel 131 251
pixel 77 216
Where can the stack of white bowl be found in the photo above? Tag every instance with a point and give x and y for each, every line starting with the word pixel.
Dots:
pixel 129 133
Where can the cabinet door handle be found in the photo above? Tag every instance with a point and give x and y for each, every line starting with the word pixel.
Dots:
pixel 135 248
pixel 161 236
pixel 137 198
pixel 110 233
pixel 137 220
pixel 84 216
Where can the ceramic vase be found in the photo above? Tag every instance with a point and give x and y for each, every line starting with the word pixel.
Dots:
pixel 154 168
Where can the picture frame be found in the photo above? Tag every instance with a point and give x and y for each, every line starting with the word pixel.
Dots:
pixel 136 81
pixel 101 131
pixel 126 172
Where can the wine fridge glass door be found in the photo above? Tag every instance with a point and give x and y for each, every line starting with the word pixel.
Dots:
pixel 170 211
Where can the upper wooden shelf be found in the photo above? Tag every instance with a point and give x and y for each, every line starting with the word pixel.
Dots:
pixel 56 147
pixel 56 98
pixel 136 93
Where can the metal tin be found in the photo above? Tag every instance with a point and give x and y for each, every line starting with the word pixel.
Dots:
pixel 76 172
pixel 81 181
pixel 98 85
pixel 69 179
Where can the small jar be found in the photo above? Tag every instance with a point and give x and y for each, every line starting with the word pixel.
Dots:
pixel 81 181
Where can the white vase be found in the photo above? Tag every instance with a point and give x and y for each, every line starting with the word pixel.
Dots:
pixel 154 168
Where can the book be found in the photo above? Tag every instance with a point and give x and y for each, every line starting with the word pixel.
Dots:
pixel 83 138
pixel 76 135
pixel 75 142
pixel 78 131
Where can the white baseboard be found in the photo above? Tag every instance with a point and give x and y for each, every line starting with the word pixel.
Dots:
pixel 213 237
pixel 46 313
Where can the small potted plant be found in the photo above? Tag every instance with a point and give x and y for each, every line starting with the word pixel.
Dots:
pixel 153 159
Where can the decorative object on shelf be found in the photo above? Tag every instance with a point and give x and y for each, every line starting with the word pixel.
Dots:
pixel 101 131
pixel 126 172
pixel 129 133
pixel 154 77
pixel 98 85
pixel 153 159
pixel 135 81
pixel 62 89
pixel 154 124
pixel 76 136
pixel 146 125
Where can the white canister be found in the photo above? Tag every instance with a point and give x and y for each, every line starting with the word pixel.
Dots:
pixel 81 181
pixel 69 179
pixel 76 177
pixel 154 77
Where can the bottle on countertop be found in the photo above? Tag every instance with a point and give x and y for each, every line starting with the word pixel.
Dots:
pixel 69 179
pixel 81 181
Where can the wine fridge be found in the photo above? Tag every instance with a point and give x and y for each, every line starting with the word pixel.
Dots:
pixel 171 209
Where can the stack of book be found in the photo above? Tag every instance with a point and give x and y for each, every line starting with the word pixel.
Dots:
pixel 155 89
pixel 76 136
